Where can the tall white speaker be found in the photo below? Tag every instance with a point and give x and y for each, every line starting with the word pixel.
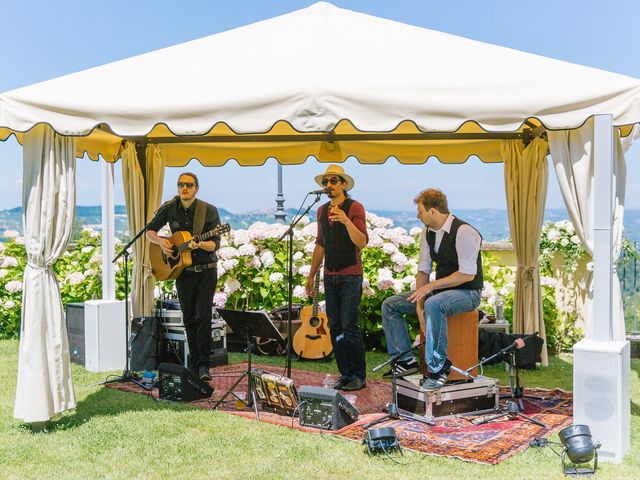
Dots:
pixel 601 395
pixel 104 335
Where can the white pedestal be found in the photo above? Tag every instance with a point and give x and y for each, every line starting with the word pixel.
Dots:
pixel 104 335
pixel 601 395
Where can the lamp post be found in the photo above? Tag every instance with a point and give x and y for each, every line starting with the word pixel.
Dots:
pixel 281 215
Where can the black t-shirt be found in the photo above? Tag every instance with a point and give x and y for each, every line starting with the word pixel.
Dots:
pixel 181 219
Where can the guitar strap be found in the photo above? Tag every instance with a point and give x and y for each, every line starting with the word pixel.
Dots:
pixel 199 217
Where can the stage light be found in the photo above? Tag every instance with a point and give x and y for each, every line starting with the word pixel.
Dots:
pixel 579 448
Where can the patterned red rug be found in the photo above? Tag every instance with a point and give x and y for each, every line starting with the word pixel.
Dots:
pixel 490 443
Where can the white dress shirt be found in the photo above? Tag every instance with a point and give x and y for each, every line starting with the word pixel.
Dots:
pixel 467 247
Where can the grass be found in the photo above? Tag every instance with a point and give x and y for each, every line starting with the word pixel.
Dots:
pixel 116 435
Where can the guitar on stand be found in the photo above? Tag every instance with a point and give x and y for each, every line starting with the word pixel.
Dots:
pixel 312 340
pixel 167 267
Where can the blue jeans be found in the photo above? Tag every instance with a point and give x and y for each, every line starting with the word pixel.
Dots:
pixel 436 310
pixel 342 297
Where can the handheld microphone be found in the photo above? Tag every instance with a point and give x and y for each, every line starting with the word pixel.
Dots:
pixel 319 192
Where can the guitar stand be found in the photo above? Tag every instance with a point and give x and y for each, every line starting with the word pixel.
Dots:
pixel 392 408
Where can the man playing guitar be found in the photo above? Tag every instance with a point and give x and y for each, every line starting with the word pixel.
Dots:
pixel 197 283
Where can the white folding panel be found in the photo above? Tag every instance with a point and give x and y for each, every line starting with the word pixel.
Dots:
pixel 104 330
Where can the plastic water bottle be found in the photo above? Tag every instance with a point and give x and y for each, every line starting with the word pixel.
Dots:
pixel 499 309
pixel 328 381
pixel 148 379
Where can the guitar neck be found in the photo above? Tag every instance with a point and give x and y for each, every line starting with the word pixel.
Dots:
pixel 220 229
pixel 316 297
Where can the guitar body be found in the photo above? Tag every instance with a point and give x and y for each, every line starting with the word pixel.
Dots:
pixel 165 267
pixel 312 340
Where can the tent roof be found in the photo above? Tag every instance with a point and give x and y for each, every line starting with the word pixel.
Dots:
pixel 320 69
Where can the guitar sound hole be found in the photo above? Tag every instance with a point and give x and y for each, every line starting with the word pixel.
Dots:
pixel 314 321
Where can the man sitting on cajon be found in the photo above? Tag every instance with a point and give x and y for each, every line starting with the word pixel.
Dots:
pixel 455 248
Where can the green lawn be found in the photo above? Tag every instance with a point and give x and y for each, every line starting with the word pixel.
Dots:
pixel 119 435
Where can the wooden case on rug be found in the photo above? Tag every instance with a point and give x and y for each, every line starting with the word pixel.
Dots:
pixel 479 396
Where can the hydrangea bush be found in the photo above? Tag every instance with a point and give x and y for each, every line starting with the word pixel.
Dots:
pixel 252 274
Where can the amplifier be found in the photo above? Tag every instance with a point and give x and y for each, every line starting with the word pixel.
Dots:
pixel 179 384
pixel 325 408
pixel 174 348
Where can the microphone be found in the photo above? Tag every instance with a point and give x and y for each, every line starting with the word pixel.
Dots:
pixel 319 192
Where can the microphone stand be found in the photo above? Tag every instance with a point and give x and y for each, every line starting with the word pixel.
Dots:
pixel 289 233
pixel 127 375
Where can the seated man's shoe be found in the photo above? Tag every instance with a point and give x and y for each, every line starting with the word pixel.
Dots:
pixel 203 373
pixel 356 384
pixel 342 381
pixel 403 368
pixel 436 381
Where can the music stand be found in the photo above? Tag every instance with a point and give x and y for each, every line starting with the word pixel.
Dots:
pixel 251 324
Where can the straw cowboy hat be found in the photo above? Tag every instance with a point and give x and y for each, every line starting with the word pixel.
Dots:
pixel 338 171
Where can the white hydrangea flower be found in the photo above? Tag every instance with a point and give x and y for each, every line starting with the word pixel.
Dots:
pixel 415 231
pixel 405 240
pixel 276 277
pixel 310 230
pixel 398 286
pixel 408 280
pixel 9 262
pixel 226 253
pixel 298 256
pixel 310 247
pixel 247 250
pixel 255 262
pixel 96 258
pixel 548 281
pixel 365 282
pixel 368 292
pixel 375 241
pixel 220 299
pixel 384 283
pixel 19 240
pixel 9 304
pixel 2 247
pixel 384 273
pixel 66 253
pixel 88 272
pixel 229 264
pixel 389 248
pixel 299 292
pixel 553 235
pixel 241 237
pixel 399 258
pixel 87 249
pixel 11 233
pixel 94 234
pixel 564 242
pixel 488 292
pixel 3 272
pixel 13 286
pixel 259 231
pixel 224 242
pixel 304 220
pixel 221 270
pixel 305 270
pixel 87 229
pixel 231 286
pixel 75 278
pixel 575 239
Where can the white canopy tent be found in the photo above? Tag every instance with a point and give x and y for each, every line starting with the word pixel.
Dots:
pixel 333 83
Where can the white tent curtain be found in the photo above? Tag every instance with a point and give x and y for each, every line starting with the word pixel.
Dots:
pixel 45 388
pixel 572 153
pixel 525 177
pixel 141 190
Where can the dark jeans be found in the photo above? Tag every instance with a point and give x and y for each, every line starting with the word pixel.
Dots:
pixel 195 292
pixel 342 296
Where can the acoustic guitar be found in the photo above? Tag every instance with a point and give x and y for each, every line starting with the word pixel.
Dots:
pixel 312 340
pixel 167 267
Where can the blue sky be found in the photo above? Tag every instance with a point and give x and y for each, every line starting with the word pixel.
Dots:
pixel 43 40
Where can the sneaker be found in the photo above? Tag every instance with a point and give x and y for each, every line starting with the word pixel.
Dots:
pixel 356 384
pixel 403 368
pixel 203 373
pixel 342 381
pixel 433 383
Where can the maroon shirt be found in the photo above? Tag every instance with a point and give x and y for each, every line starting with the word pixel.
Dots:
pixel 357 215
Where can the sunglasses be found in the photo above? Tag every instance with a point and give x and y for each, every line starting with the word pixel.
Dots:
pixel 185 184
pixel 333 180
